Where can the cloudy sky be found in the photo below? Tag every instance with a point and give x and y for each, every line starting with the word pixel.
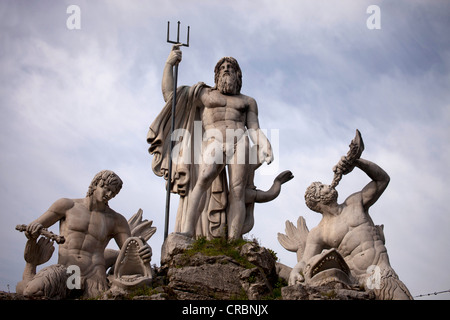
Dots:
pixel 77 101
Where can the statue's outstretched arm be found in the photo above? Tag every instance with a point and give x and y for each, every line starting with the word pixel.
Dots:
pixel 55 213
pixel 380 180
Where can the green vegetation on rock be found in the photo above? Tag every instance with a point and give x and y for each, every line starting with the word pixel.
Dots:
pixel 221 246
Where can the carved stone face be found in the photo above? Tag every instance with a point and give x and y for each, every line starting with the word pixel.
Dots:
pixel 104 193
pixel 227 82
pixel 327 194
pixel 227 68
pixel 319 193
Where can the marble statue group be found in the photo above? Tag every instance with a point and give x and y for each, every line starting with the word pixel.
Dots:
pixel 213 174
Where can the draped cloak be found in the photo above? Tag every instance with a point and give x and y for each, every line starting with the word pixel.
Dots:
pixel 212 221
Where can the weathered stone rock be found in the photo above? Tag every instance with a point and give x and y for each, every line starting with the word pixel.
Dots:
pixel 249 271
pixel 338 292
pixel 157 296
pixel 261 257
pixel 174 244
pixel 216 280
pixel 200 275
pixel 255 283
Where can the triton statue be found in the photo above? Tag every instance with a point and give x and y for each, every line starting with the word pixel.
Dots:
pixel 358 253
pixel 86 226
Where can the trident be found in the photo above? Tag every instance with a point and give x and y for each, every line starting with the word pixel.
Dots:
pixel 174 99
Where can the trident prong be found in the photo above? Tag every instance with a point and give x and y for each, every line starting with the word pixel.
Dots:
pixel 178 35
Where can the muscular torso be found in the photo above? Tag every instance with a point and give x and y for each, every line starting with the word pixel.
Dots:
pixel 223 112
pixel 354 235
pixel 87 233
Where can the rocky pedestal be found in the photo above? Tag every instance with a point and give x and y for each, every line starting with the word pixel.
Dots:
pixel 217 269
pixel 330 291
pixel 240 270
